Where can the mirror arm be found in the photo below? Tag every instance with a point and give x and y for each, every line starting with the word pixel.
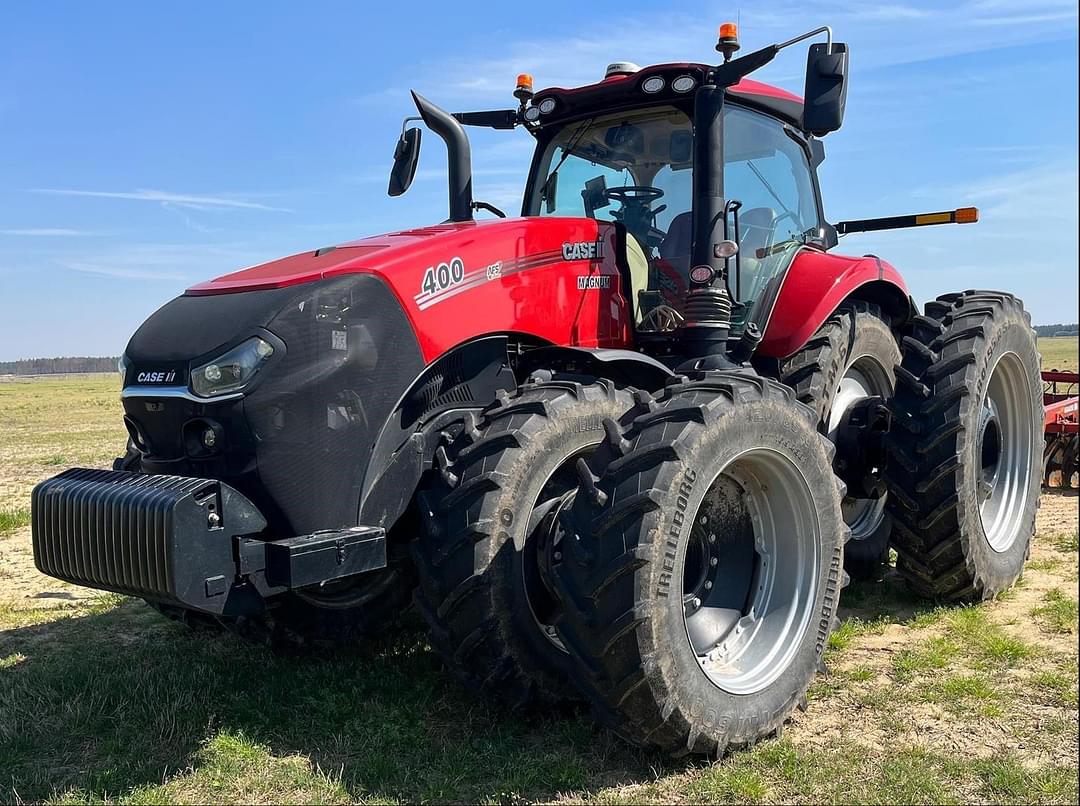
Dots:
pixel 824 29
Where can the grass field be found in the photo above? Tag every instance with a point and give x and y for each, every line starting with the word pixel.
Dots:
pixel 1060 352
pixel 101 699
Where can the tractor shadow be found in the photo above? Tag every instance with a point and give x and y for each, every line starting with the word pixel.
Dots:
pixel 103 704
pixel 100 705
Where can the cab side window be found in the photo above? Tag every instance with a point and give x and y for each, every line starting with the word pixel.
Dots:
pixel 770 174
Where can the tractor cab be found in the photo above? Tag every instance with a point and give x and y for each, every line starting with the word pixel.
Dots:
pixel 708 177
pixel 635 167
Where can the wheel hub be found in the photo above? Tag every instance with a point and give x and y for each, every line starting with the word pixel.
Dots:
pixel 750 571
pixel 857 423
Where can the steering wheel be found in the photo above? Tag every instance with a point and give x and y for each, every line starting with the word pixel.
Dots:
pixel 641 194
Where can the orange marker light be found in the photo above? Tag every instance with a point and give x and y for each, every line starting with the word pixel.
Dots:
pixel 967 215
pixel 525 82
pixel 729 30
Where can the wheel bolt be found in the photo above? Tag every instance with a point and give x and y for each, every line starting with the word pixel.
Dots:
pixel 712 538
pixel 708 584
pixel 696 603
pixel 713 562
pixel 557 556
pixel 704 520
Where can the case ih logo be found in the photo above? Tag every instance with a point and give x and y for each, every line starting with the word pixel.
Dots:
pixel 583 250
pixel 157 377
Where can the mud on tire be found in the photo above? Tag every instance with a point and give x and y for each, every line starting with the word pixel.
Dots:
pixel 640 553
pixel 481 590
pixel 966 445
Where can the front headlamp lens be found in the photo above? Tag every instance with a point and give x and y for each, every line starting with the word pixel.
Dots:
pixel 232 371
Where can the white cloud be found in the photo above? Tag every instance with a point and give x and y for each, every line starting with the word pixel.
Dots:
pixel 178 263
pixel 46 232
pixel 165 197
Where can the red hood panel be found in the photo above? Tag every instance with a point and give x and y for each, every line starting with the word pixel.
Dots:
pixel 354 256
pixel 555 279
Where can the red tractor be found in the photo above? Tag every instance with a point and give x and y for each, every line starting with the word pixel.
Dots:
pixel 622 446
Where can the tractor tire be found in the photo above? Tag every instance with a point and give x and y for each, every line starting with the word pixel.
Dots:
pixel 482 588
pixel 702 573
pixel 966 446
pixel 346 612
pixel 852 356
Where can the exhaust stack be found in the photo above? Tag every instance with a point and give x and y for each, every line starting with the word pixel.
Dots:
pixel 458 153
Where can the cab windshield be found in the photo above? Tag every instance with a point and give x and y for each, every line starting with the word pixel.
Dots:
pixel 635 168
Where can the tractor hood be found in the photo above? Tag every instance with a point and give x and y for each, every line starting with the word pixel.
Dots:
pixel 457 281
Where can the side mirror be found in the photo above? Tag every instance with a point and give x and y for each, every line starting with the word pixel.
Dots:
pixel 406 155
pixel 826 88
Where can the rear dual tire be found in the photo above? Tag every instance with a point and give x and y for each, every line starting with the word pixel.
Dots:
pixel 633 574
pixel 966 446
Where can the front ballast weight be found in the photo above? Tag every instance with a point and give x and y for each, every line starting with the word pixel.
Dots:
pixel 185 542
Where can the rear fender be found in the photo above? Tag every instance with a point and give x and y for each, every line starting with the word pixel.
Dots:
pixel 816 284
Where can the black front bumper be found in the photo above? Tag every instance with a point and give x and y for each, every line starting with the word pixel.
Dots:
pixel 195 543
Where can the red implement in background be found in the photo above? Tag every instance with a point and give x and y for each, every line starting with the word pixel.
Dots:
pixel 1061 424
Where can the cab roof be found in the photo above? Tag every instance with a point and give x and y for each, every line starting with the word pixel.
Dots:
pixel 625 90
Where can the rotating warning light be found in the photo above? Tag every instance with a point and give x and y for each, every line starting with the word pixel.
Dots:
pixel 524 89
pixel 728 40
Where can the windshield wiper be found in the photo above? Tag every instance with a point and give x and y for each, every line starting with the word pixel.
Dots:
pixel 569 149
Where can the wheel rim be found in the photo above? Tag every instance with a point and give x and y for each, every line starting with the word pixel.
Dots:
pixel 864 378
pixel 542 535
pixel 1004 444
pixel 751 571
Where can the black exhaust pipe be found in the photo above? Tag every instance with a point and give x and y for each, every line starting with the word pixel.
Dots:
pixel 458 153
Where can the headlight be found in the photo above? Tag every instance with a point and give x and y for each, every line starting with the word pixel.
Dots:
pixel 232 371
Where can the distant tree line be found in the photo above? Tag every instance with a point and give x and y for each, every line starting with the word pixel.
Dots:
pixel 1057 330
pixel 53 366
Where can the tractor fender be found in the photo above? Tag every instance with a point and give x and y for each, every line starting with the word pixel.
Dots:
pixel 816 284
pixel 622 366
pixel 464 378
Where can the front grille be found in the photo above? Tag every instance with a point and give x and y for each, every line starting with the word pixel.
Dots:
pixel 167 538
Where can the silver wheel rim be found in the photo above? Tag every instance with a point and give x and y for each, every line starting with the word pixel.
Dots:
pixel 1004 445
pixel 864 378
pixel 751 571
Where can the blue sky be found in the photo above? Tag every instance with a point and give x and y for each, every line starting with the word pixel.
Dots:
pixel 146 146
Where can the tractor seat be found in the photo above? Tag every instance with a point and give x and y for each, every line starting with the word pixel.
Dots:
pixel 755 226
pixel 675 248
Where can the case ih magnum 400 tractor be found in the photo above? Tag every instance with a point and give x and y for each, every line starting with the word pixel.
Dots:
pixel 624 445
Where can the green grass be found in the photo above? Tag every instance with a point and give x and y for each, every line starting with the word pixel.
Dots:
pixel 12 519
pixel 1060 352
pixel 1057 613
pixel 1067 543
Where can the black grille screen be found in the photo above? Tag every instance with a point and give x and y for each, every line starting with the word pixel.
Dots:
pixel 350 355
